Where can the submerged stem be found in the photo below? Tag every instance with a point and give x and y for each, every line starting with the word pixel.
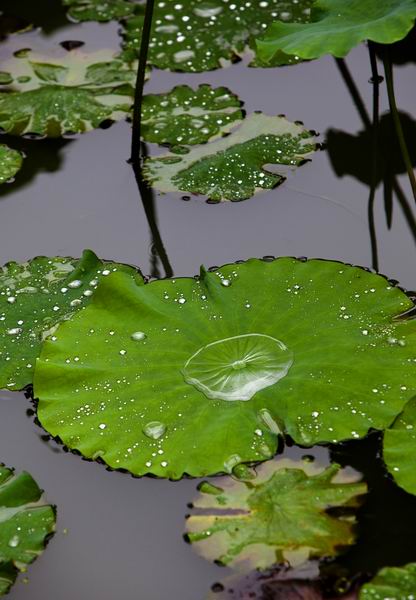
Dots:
pixel 141 73
pixel 388 68
pixel 375 80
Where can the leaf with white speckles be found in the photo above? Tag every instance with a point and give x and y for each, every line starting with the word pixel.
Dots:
pixel 391 583
pixel 233 168
pixel 99 10
pixel 10 163
pixel 26 522
pixel 280 515
pixel 196 375
pixel 34 297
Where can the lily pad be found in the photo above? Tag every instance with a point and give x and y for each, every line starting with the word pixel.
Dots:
pixel 210 33
pixel 337 26
pixel 10 163
pixel 391 583
pixel 399 448
pixel 279 516
pixel 196 375
pixel 26 523
pixel 34 297
pixel 187 116
pixel 99 10
pixel 71 94
pixel 232 168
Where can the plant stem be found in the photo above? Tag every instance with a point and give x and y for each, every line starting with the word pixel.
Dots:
pixel 141 73
pixel 375 80
pixel 388 68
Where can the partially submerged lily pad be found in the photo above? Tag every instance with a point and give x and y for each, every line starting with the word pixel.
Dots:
pixel 70 94
pixel 399 447
pixel 10 163
pixel 337 26
pixel 391 583
pixel 197 375
pixel 205 35
pixel 99 10
pixel 233 168
pixel 279 516
pixel 187 116
pixel 26 523
pixel 34 297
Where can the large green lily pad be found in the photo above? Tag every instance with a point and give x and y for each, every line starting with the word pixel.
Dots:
pixel 26 522
pixel 399 447
pixel 279 516
pixel 99 10
pixel 233 168
pixel 196 375
pixel 391 583
pixel 70 94
pixel 187 116
pixel 10 163
pixel 337 26
pixel 209 33
pixel 34 297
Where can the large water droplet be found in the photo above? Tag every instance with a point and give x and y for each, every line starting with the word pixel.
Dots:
pixel 236 368
pixel 14 541
pixel 138 336
pixel 154 430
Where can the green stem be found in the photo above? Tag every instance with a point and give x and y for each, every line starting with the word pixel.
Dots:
pixel 388 68
pixel 141 74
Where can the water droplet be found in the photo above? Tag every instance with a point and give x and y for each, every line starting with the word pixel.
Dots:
pixel 138 336
pixel 76 283
pixel 11 299
pixel 14 541
pixel 182 300
pixel 236 368
pixel 14 331
pixel 154 430
pixel 226 282
pixel 102 425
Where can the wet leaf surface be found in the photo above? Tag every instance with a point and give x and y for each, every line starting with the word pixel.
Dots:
pixel 186 116
pixel 337 26
pixel 10 163
pixel 280 515
pixel 392 583
pixel 196 375
pixel 34 297
pixel 99 10
pixel 74 93
pixel 233 168
pixel 26 522
pixel 399 448
pixel 207 34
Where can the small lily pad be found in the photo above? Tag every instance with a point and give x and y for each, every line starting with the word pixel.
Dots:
pixel 197 375
pixel 281 515
pixel 71 94
pixel 34 297
pixel 232 168
pixel 399 447
pixel 337 26
pixel 207 34
pixel 99 10
pixel 26 523
pixel 10 163
pixel 391 583
pixel 187 116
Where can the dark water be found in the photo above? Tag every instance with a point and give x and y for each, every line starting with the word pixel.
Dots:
pixel 124 536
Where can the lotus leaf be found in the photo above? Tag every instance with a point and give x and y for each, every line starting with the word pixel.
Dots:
pixel 10 163
pixel 205 36
pixel 99 10
pixel 187 116
pixel 280 515
pixel 34 297
pixel 70 94
pixel 196 375
pixel 26 522
pixel 337 26
pixel 399 447
pixel 232 168
pixel 391 583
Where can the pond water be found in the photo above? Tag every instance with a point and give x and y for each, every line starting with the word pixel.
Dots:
pixel 120 537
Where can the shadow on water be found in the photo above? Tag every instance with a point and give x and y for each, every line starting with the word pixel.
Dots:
pixel 40 156
pixel 50 15
pixel 387 527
